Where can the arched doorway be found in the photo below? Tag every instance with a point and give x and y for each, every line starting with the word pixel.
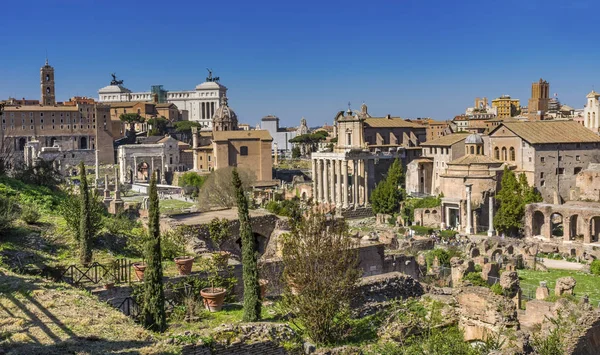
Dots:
pixel 83 143
pixel 573 221
pixel 142 171
pixel 22 142
pixel 556 225
pixel 537 224
pixel 594 229
pixel 52 141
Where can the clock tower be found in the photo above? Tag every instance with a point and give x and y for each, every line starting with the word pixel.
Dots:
pixel 47 85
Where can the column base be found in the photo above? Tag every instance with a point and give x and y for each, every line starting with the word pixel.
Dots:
pixel 491 233
pixel 469 230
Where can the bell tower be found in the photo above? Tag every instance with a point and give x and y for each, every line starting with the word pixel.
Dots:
pixel 47 85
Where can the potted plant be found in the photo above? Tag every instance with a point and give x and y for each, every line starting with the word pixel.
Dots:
pixel 139 269
pixel 108 281
pixel 214 297
pixel 184 264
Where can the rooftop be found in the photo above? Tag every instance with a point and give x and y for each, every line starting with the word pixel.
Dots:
pixel 393 122
pixel 470 159
pixel 40 108
pixel 446 141
pixel 540 132
pixel 256 134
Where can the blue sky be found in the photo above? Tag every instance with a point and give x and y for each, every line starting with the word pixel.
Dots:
pixel 409 58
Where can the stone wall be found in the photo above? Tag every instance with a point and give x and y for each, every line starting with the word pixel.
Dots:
pixel 386 287
pixel 260 348
pixel 428 217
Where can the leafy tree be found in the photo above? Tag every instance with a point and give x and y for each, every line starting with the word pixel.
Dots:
pixel 310 140
pixel 131 119
pixel 153 311
pixel 185 126
pixel 218 189
pixel 388 194
pixel 218 230
pixel 595 267
pixel 85 222
pixel 252 303
pixel 192 182
pixel 43 173
pixel 70 210
pixel 296 152
pixel 159 126
pixel 320 265
pixel 514 194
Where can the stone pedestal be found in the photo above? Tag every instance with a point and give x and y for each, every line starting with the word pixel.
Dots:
pixel 542 292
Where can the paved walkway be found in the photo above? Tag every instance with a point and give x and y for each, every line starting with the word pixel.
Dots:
pixel 563 265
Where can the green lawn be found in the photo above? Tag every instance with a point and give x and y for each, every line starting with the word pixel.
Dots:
pixel 170 206
pixel 586 283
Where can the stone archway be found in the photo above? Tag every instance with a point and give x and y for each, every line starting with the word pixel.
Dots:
pixel 556 225
pixel 594 229
pixel 538 221
pixel 573 222
pixel 475 252
pixel 142 172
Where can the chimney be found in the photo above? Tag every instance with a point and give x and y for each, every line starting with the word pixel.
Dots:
pixel 389 117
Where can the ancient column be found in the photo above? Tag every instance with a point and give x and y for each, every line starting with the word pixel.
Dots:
pixel 117 191
pixel 151 169
pixel 366 188
pixel 491 217
pixel 339 198
pixel 163 180
pixel 314 178
pixel 97 169
pixel 319 181
pixel 325 180
pixel 469 227
pixel 355 185
pixel 106 190
pixel 134 171
pixel 345 183
pixel 332 180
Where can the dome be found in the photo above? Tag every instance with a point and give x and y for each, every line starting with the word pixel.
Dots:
pixel 225 118
pixel 474 139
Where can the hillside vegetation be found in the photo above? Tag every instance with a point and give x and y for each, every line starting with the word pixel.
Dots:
pixel 41 317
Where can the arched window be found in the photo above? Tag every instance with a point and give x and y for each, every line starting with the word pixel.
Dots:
pixel 497 153
pixel 479 152
pixel 512 154
pixel 243 150
pixel 472 150
pixel 504 154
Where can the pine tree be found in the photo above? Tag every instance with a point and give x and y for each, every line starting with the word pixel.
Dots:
pixel 530 194
pixel 388 194
pixel 153 312
pixel 252 305
pixel 85 229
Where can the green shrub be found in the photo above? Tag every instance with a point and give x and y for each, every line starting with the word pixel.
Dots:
pixel 30 213
pixel 119 225
pixel 8 212
pixel 445 234
pixel 497 289
pixel 172 245
pixel 595 267
pixel 478 268
pixel 476 279
pixel 442 255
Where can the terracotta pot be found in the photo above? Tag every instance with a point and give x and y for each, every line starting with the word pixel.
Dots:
pixel 184 264
pixel 263 288
pixel 213 298
pixel 108 286
pixel 139 269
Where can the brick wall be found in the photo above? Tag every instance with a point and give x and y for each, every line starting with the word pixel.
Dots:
pixel 262 348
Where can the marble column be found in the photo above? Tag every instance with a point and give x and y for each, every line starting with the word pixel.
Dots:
pixel 339 199
pixel 319 180
pixel 314 178
pixel 469 227
pixel 345 183
pixel 355 185
pixel 491 231
pixel 325 188
pixel 366 188
pixel 151 169
pixel 163 180
pixel 332 180
pixel 134 172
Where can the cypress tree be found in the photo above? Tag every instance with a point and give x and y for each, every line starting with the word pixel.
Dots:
pixel 85 229
pixel 252 303
pixel 153 312
pixel 388 194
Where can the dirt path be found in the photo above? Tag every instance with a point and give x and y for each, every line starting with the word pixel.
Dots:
pixel 563 265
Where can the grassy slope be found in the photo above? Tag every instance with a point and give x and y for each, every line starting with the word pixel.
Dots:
pixel 40 317
pixel 586 283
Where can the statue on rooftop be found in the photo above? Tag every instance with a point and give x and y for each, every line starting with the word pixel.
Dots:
pixel 114 80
